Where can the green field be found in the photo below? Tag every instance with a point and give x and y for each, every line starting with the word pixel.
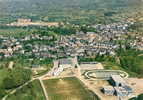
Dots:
pixel 13 32
pixel 32 91
pixel 67 89
pixel 3 74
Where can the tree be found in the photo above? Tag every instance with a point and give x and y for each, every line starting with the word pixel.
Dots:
pixel 16 77
pixel 2 92
pixel 140 97
pixel 8 82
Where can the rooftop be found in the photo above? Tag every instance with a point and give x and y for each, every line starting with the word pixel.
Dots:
pixel 65 61
pixel 127 88
pixel 120 89
pixel 117 78
pixel 108 88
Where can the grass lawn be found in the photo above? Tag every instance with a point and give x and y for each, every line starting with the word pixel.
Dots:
pixel 3 74
pixel 111 66
pixel 32 91
pixel 67 89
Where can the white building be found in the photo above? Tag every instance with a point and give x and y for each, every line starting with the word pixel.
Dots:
pixel 117 80
pixel 62 64
pixel 57 71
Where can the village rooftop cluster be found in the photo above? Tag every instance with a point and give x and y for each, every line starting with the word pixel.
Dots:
pixel 79 44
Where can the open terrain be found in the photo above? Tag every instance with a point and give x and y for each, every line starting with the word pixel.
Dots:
pixel 91 41
pixel 3 74
pixel 66 89
pixel 32 91
pixel 75 11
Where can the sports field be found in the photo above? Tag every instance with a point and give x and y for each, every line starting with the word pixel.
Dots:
pixel 66 89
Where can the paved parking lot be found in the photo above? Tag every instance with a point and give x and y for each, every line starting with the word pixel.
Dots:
pixel 136 84
pixel 91 66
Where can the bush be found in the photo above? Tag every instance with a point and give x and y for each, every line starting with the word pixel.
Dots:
pixel 140 97
pixel 2 92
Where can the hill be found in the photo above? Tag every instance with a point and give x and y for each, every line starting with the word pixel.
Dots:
pixel 63 10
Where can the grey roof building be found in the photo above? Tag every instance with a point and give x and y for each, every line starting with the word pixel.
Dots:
pixel 108 90
pixel 65 61
pixel 117 80
pixel 120 91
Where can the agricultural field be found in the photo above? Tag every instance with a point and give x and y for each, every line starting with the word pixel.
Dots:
pixel 32 91
pixel 66 89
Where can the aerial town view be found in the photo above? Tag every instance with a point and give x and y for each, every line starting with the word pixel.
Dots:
pixel 71 49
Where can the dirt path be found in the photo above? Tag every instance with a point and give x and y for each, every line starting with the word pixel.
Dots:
pixel 44 89
pixel 13 91
pixel 140 55
pixel 55 77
